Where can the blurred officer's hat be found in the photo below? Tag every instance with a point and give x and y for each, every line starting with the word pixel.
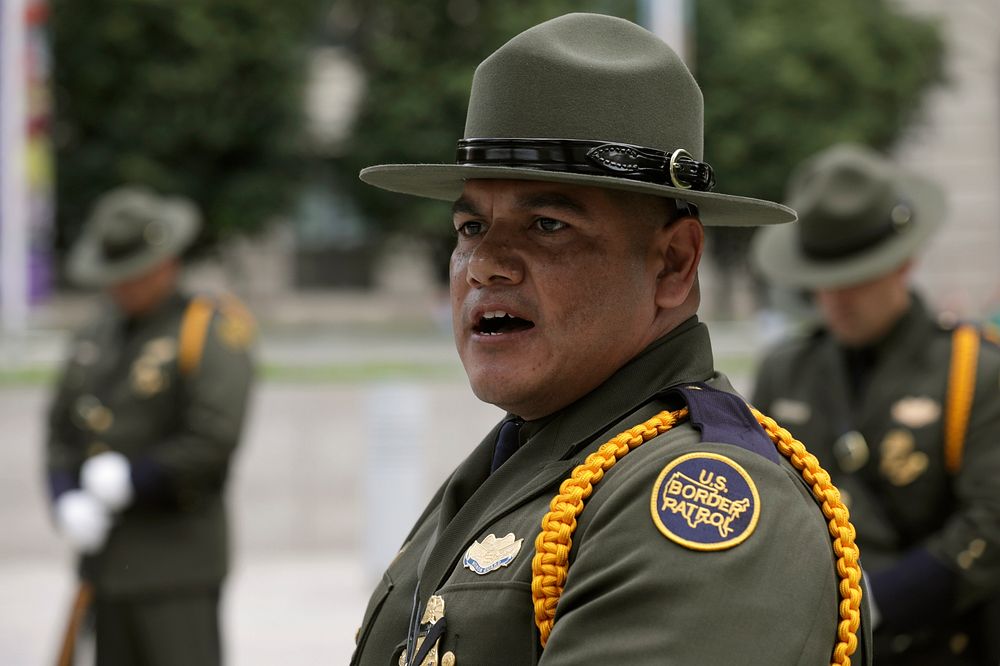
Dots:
pixel 860 217
pixel 584 99
pixel 130 230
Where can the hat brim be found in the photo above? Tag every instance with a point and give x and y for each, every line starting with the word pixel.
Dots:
pixel 87 265
pixel 445 182
pixel 778 254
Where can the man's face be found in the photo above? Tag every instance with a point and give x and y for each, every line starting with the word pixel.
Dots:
pixel 141 294
pixel 552 290
pixel 861 314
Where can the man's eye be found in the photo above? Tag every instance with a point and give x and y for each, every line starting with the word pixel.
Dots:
pixel 470 228
pixel 549 225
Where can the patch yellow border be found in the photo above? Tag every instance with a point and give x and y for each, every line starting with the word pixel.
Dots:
pixel 694 545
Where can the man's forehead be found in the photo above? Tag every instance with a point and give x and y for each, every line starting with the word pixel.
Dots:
pixel 528 194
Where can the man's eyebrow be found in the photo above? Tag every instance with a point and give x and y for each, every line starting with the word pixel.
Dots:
pixel 463 205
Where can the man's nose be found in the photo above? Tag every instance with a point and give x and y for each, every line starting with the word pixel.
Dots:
pixel 494 261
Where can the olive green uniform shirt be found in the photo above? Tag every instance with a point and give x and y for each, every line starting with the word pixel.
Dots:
pixel 929 539
pixel 122 390
pixel 632 595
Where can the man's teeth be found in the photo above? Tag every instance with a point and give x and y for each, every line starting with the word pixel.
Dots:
pixel 493 315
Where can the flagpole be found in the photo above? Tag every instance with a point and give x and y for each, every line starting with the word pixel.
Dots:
pixel 13 205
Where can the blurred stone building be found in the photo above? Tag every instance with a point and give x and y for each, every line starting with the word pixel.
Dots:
pixel 958 143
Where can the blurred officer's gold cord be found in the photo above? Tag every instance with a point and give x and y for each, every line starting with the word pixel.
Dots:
pixel 961 390
pixel 551 561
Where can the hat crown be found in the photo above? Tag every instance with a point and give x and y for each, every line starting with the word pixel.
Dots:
pixel 129 231
pixel 588 77
pixel 847 199
pixel 129 221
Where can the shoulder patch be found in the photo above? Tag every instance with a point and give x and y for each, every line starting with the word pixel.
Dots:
pixel 705 501
pixel 237 328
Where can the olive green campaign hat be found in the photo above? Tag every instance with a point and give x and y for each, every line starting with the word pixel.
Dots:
pixel 860 217
pixel 584 99
pixel 130 231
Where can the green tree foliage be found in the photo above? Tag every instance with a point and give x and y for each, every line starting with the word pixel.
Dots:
pixel 784 79
pixel 419 58
pixel 186 96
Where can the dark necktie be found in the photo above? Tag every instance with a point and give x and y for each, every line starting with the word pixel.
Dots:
pixel 507 442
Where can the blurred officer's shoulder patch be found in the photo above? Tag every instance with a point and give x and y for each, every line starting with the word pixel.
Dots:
pixel 705 501
pixel 237 328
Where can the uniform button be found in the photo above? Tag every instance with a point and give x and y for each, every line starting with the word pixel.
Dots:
pixel 958 643
pixel 448 659
pixel 965 559
pixel 977 547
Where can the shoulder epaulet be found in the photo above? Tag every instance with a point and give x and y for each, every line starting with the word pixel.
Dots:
pixel 724 418
pixel 236 328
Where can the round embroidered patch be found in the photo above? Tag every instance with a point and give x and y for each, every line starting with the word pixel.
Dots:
pixel 705 501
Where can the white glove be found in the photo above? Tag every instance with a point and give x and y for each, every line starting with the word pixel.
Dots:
pixel 108 477
pixel 83 520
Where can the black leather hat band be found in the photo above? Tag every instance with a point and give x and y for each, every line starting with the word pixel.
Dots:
pixel 900 219
pixel 676 168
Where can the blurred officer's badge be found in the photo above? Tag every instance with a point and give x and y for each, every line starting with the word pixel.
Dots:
pixel 705 501
pixel 90 414
pixel 148 375
pixel 492 553
pixel 900 463
pixel 237 328
pixel 916 412
pixel 851 451
pixel 790 411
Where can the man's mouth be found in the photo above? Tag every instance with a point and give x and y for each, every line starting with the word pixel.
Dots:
pixel 498 322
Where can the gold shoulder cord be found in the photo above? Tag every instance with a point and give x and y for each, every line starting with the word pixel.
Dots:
pixel 194 328
pixel 961 390
pixel 551 561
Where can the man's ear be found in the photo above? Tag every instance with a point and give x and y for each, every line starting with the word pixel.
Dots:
pixel 679 246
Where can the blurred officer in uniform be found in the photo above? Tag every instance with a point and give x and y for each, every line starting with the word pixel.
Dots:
pixel 146 417
pixel 903 411
pixel 578 196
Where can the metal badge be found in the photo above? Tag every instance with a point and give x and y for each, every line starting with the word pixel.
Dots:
pixel 163 349
pixel 851 451
pixel 433 613
pixel 148 377
pixel 790 411
pixel 491 554
pixel 90 414
pixel 900 464
pixel 916 412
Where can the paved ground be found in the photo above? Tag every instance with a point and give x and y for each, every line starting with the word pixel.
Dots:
pixel 326 456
